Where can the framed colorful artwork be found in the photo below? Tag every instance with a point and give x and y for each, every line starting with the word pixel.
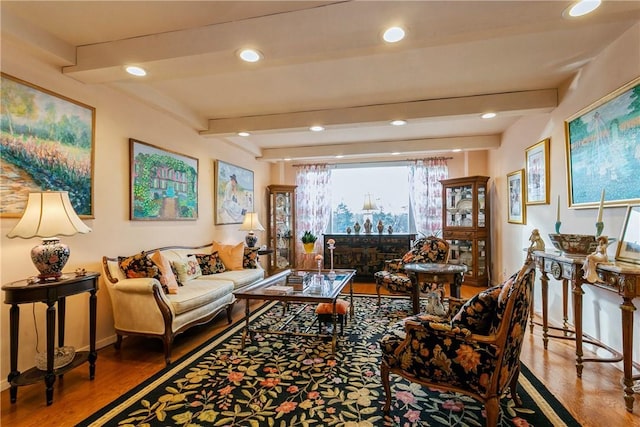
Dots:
pixel 234 193
pixel 516 213
pixel 537 172
pixel 164 184
pixel 629 244
pixel 603 150
pixel 47 143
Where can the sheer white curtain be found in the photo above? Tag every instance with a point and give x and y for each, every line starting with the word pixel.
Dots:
pixel 425 194
pixel 313 205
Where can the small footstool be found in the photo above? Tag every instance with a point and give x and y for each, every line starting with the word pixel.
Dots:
pixel 324 311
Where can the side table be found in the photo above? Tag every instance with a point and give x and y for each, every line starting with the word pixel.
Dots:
pixel 434 273
pixel 50 293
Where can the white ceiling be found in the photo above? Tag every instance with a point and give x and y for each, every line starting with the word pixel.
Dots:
pixel 325 63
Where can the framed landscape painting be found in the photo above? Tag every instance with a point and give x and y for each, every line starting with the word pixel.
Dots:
pixel 233 193
pixel 603 150
pixel 516 213
pixel 629 244
pixel 46 143
pixel 537 168
pixel 164 184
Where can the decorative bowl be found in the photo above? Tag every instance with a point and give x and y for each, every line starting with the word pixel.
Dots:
pixel 574 244
pixel 62 356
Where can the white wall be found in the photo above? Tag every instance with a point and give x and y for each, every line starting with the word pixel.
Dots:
pixel 118 118
pixel 617 65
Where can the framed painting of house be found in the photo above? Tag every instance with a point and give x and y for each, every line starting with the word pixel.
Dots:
pixel 47 143
pixel 537 171
pixel 164 184
pixel 603 150
pixel 233 193
pixel 516 212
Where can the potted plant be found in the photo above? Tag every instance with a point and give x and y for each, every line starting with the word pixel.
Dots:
pixel 308 241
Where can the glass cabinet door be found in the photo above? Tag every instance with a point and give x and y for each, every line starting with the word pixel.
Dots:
pixel 459 206
pixel 281 231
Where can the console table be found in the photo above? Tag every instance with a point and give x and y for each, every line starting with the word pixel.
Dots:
pixel 621 278
pixel 50 293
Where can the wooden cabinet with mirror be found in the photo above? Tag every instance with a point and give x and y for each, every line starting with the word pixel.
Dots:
pixel 281 228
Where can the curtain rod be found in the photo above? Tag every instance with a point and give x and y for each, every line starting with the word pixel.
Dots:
pixel 297 165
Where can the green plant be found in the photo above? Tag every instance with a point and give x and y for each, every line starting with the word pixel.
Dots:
pixel 308 237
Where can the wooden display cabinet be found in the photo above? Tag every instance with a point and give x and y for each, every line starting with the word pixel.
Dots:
pixel 281 228
pixel 466 221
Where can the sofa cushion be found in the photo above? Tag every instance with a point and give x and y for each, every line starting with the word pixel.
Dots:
pixel 210 263
pixel 239 278
pixel 250 258
pixel 231 255
pixel 167 277
pixel 139 265
pixel 187 269
pixel 198 293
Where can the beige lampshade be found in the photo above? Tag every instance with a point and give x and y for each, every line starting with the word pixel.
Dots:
pixel 48 214
pixel 251 222
pixel 369 204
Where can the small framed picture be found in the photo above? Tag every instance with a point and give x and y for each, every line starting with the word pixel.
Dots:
pixel 629 244
pixel 515 187
pixel 537 162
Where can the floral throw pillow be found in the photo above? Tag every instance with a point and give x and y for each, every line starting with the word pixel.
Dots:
pixel 210 263
pixel 250 258
pixel 167 278
pixel 187 268
pixel 140 265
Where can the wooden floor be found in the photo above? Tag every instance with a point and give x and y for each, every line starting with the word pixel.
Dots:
pixel 594 400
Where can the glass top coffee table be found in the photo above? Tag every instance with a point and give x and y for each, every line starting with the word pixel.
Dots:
pixel 324 288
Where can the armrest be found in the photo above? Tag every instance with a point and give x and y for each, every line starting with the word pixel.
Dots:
pixel 394 265
pixel 142 285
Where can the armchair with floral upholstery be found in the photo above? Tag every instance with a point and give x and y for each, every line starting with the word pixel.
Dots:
pixel 474 350
pixel 394 279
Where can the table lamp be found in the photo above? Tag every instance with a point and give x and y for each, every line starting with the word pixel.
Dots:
pixel 49 214
pixel 251 223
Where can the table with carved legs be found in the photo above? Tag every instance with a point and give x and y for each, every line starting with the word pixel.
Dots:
pixel 621 278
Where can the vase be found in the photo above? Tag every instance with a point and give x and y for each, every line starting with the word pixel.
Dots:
pixel 356 227
pixel 380 227
pixel 308 247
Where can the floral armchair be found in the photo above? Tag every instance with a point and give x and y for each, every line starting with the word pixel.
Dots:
pixel 475 352
pixel 393 278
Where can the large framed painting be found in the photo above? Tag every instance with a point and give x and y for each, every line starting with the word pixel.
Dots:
pixel 164 184
pixel 603 150
pixel 629 244
pixel 47 143
pixel 537 171
pixel 233 193
pixel 516 212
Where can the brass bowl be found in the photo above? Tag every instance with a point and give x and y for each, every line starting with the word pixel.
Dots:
pixel 574 244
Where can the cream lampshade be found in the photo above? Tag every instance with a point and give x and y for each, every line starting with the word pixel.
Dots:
pixel 251 223
pixel 49 214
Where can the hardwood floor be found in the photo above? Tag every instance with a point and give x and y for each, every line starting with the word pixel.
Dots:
pixel 594 400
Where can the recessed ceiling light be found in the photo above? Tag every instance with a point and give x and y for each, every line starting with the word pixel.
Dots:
pixel 316 128
pixel 287 159
pixel 243 134
pixel 488 115
pixel 582 7
pixel 136 71
pixel 339 156
pixel 395 153
pixel 398 122
pixel 250 55
pixel 456 150
pixel 393 35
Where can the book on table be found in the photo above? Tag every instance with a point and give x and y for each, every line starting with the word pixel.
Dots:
pixel 279 290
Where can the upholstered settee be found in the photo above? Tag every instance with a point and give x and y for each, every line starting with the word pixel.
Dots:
pixel 163 292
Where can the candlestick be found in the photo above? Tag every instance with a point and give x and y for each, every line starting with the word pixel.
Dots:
pixel 601 206
pixel 599 223
pixel 558 223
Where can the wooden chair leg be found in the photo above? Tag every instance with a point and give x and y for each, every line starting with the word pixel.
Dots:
pixel 513 385
pixel 378 292
pixel 384 375
pixel 492 409
pixel 118 342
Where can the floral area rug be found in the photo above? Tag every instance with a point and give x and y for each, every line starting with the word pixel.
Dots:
pixel 285 380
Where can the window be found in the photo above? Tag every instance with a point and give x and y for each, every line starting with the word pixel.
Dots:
pixel 389 190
